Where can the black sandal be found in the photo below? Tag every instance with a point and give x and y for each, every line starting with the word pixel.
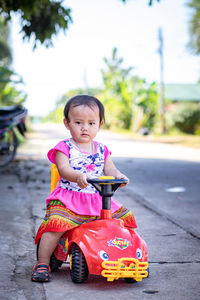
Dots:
pixel 41 273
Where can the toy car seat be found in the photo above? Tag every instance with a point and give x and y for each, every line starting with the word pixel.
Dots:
pixel 54 177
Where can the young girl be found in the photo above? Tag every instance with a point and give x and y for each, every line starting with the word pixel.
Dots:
pixel 74 201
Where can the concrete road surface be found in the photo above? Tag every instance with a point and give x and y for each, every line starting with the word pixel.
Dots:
pixel 163 193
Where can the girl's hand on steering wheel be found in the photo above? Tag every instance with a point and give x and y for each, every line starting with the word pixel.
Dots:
pixel 82 180
pixel 122 176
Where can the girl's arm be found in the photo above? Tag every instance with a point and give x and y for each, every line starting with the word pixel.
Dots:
pixel 111 170
pixel 68 173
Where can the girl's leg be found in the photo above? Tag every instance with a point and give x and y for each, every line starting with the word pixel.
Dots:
pixel 126 215
pixel 48 243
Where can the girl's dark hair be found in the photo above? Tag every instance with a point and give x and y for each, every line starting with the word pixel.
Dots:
pixel 84 100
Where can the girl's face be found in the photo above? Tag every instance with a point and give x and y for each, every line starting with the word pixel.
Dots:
pixel 83 123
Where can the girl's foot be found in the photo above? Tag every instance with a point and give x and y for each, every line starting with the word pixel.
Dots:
pixel 40 273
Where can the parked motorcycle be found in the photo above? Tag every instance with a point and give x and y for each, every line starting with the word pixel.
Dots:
pixel 11 118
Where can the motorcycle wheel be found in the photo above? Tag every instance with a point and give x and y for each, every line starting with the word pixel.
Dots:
pixel 8 147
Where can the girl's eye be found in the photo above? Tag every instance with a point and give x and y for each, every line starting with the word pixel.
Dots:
pixel 92 123
pixel 77 122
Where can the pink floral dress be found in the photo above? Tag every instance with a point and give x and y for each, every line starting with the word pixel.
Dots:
pixel 82 201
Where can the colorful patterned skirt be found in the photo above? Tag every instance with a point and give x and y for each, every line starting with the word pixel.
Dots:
pixel 58 218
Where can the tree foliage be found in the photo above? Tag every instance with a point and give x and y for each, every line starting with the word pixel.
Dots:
pixel 39 18
pixel 5 51
pixel 186 117
pixel 129 101
pixel 115 94
pixel 194 27
pixel 9 95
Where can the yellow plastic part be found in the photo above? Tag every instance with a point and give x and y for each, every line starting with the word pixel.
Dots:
pixel 54 177
pixel 70 261
pixel 106 177
pixel 124 268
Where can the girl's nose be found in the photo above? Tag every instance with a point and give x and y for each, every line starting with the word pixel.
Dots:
pixel 84 127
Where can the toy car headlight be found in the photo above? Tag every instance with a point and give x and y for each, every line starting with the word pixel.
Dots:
pixel 139 253
pixel 103 255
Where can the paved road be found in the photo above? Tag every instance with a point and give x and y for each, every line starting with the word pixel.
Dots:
pixel 166 177
pixel 171 235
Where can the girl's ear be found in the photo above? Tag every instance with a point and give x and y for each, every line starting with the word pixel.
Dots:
pixel 101 124
pixel 66 123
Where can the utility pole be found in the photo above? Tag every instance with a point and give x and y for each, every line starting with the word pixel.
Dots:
pixel 161 92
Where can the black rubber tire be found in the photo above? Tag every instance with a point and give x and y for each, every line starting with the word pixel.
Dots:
pixel 6 158
pixel 130 280
pixel 55 263
pixel 78 268
pixel 148 272
pixel 37 249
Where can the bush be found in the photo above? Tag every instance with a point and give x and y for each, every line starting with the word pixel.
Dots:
pixel 185 117
pixel 55 116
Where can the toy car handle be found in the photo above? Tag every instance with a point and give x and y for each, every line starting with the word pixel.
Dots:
pixel 106 183
pixel 107 180
pixel 106 186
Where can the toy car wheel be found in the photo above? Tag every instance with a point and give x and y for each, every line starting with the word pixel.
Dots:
pixel 130 280
pixel 55 263
pixel 78 265
pixel 148 272
pixel 37 249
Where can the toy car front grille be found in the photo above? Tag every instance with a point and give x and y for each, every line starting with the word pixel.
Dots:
pixel 124 268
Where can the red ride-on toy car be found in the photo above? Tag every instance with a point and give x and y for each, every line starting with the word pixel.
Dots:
pixel 103 247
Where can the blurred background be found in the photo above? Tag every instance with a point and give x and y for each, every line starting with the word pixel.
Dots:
pixel 141 58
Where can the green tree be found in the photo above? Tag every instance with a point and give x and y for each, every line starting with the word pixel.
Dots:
pixel 186 118
pixel 5 51
pixel 194 27
pixel 9 95
pixel 145 109
pixel 39 18
pixel 115 94
pixel 128 99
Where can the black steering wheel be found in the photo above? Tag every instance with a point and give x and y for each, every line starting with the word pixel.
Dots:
pixel 107 180
pixel 105 183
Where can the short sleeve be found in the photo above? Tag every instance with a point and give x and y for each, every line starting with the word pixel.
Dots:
pixel 62 147
pixel 106 153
